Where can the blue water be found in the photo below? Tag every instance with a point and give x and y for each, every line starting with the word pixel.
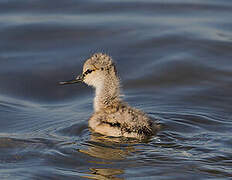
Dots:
pixel 175 63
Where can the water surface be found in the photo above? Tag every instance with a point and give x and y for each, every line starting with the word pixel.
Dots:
pixel 174 59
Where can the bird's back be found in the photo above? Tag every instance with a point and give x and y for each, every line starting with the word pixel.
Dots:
pixel 119 119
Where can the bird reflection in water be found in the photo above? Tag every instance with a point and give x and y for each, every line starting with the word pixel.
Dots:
pixel 105 150
pixel 104 173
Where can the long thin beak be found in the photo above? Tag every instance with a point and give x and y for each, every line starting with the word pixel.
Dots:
pixel 77 80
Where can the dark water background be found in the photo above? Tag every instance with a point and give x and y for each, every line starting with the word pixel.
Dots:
pixel 175 61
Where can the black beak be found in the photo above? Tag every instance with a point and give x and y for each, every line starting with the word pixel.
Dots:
pixel 77 80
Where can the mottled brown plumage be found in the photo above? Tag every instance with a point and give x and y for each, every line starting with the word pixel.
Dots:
pixel 112 116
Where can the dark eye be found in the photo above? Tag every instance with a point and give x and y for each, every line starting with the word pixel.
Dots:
pixel 88 71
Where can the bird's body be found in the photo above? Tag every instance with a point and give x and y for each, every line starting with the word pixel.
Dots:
pixel 112 116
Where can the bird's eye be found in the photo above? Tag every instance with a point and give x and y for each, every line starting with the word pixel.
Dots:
pixel 88 71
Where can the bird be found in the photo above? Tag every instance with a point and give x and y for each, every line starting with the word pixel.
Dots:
pixel 112 116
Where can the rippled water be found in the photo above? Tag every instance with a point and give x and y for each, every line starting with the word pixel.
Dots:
pixel 175 61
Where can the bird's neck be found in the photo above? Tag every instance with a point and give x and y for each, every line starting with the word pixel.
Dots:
pixel 106 93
